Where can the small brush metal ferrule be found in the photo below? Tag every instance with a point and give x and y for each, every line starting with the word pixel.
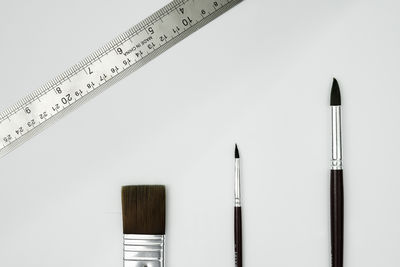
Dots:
pixel 238 201
pixel 337 153
pixel 144 250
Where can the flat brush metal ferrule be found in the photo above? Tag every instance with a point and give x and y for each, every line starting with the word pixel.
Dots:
pixel 337 153
pixel 238 201
pixel 144 250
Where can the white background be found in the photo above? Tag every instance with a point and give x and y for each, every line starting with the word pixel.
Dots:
pixel 260 75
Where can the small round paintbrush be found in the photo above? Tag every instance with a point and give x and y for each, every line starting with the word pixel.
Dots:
pixel 238 212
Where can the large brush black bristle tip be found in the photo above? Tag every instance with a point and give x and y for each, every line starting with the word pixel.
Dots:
pixel 335 94
pixel 143 209
pixel 236 152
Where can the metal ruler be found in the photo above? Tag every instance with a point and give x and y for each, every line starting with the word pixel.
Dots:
pixel 125 54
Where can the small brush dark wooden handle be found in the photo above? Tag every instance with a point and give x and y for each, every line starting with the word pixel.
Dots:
pixel 238 236
pixel 337 214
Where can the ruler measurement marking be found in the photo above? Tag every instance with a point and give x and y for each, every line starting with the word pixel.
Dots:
pixel 56 96
pixel 73 73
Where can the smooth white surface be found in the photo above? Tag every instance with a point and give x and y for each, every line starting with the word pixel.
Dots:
pixel 260 75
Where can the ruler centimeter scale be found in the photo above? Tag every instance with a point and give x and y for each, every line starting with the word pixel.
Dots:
pixel 125 54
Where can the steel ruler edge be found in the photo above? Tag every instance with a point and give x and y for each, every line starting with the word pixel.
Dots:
pixel 10 141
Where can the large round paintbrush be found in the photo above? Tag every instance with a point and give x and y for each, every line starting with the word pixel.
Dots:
pixel 337 199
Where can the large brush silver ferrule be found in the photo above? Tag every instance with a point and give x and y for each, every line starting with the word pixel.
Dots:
pixel 144 250
pixel 337 153
pixel 238 201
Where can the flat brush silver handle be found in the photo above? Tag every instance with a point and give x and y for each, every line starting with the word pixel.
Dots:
pixel 144 250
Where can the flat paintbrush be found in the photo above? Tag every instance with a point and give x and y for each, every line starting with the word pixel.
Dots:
pixel 337 199
pixel 143 211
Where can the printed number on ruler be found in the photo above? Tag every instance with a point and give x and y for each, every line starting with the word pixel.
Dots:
pixel 121 56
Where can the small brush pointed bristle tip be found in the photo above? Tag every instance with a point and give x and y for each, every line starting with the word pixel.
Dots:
pixel 236 152
pixel 335 94
pixel 143 209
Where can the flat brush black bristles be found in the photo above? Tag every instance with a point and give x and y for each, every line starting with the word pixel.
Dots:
pixel 236 152
pixel 335 94
pixel 143 210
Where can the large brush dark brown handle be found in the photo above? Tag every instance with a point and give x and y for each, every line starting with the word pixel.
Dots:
pixel 337 214
pixel 238 236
